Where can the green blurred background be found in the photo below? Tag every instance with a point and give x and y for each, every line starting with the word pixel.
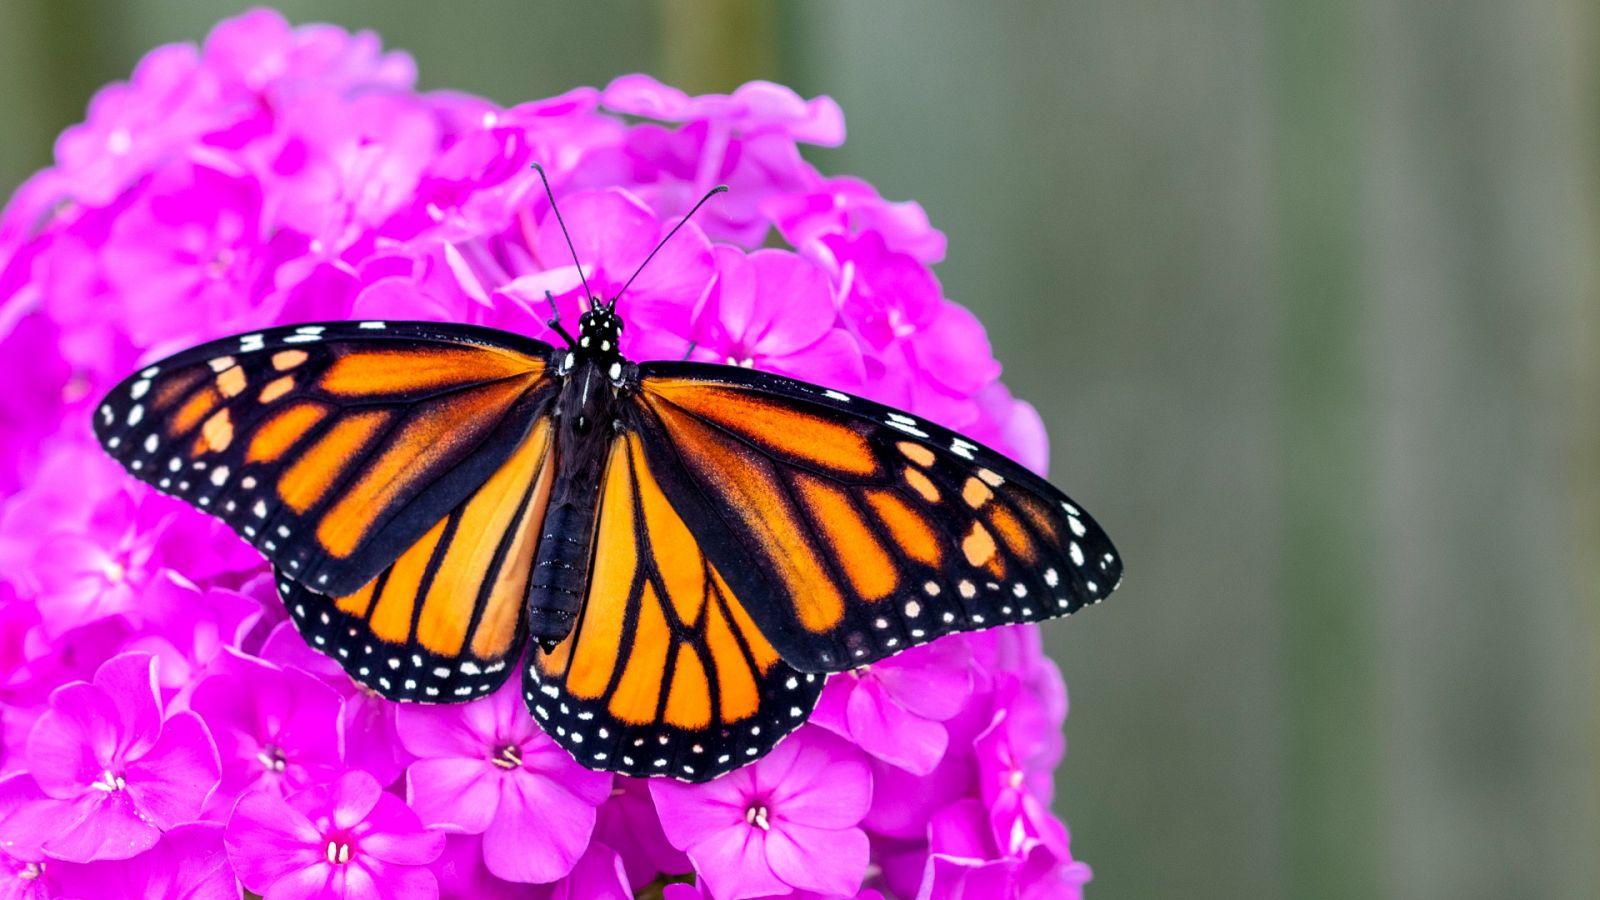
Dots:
pixel 1306 292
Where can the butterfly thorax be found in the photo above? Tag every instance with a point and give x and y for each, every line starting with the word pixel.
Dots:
pixel 594 376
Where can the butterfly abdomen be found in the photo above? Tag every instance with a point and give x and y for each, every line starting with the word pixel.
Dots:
pixel 560 570
pixel 584 413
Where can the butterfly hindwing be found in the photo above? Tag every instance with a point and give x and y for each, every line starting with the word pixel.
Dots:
pixel 852 530
pixel 331 448
pixel 665 671
pixel 446 620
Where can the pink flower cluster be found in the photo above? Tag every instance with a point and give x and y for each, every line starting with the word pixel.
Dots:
pixel 164 731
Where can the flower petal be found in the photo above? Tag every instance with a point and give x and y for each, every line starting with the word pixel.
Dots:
pixel 268 840
pixel 817 859
pixel 539 832
pixel 733 865
pixel 103 825
pixel 170 783
pixel 455 793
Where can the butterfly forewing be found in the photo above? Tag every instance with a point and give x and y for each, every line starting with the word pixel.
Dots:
pixel 854 531
pixel 666 671
pixel 445 621
pixel 332 448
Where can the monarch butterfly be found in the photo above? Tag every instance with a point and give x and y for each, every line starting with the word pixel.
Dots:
pixel 685 549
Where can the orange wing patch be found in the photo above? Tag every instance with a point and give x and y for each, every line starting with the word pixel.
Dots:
pixel 664 662
pixel 417 449
pixel 309 479
pixel 648 565
pixel 367 373
pixel 453 600
pixel 757 497
pixel 782 431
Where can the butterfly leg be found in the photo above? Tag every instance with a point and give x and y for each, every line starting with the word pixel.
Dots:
pixel 690 351
pixel 554 321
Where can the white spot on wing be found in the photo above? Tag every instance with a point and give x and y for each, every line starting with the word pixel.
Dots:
pixel 902 426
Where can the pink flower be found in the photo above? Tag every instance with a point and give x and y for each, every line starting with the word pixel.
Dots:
pixel 278 730
pixel 36 378
pixel 599 875
pixel 851 206
pixel 630 823
pixel 24 819
pixel 344 839
pixel 893 709
pixel 768 310
pixel 1020 818
pixel 188 862
pixel 485 768
pixel 115 771
pixel 195 627
pixel 372 742
pixel 787 822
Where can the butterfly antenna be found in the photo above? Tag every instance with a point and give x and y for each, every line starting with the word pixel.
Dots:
pixel 709 194
pixel 559 221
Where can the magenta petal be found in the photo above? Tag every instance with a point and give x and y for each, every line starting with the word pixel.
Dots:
pixel 170 783
pixel 130 681
pixel 392 883
pixel 835 361
pixel 463 730
pixel 733 865
pixel 268 840
pixel 539 832
pixel 347 800
pixel 317 881
pixel 197 866
pixel 453 792
pixel 599 875
pixel 794 304
pixel 610 228
pixel 107 826
pixel 70 745
pixel 830 785
pixel 188 862
pixel 829 862
pixel 691 813
pixel 27 817
pixel 398 837
pixel 888 731
pixel 461 873
pixel 932 681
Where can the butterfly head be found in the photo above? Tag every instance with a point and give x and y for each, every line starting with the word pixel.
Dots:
pixel 600 333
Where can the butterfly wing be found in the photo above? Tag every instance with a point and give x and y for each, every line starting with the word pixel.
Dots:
pixel 332 448
pixel 665 671
pixel 853 531
pixel 442 623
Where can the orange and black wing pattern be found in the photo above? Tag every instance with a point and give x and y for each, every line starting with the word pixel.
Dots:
pixel 445 622
pixel 666 671
pixel 332 448
pixel 851 531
